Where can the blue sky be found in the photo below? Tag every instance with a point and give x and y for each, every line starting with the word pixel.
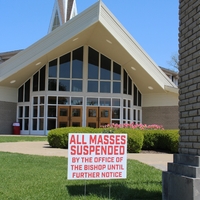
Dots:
pixel 152 23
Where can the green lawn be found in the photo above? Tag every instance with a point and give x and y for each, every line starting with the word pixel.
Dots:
pixel 20 138
pixel 27 177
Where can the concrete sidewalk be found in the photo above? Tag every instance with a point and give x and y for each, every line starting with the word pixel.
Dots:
pixel 157 160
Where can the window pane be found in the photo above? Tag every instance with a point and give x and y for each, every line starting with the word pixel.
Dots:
pixel 116 71
pixel 35 82
pixel 76 112
pixel 51 100
pixel 105 70
pixel 20 111
pixel 105 102
pixel 51 111
pixel 104 87
pixel 92 86
pixel 76 101
pixel 26 111
pixel 52 85
pixel 64 85
pixel 129 114
pixel 138 115
pixel 64 71
pixel 64 112
pixel 42 78
pixel 51 124
pixel 129 86
pixel 41 100
pixel 27 91
pixel 20 94
pixel 34 124
pixel 116 102
pixel 76 86
pixel 76 124
pixel 35 100
pixel 92 113
pixel 134 114
pixel 63 100
pixel 26 124
pixel 92 101
pixel 53 68
pixel 93 64
pixel 115 113
pixel 41 111
pixel 116 87
pixel 41 124
pixel 77 63
pixel 125 83
pixel 139 99
pixel 135 96
pixel 21 123
pixel 105 113
pixel 124 113
pixel 35 110
pixel 129 103
pixel 124 102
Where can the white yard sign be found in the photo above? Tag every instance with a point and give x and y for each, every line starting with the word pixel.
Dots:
pixel 97 156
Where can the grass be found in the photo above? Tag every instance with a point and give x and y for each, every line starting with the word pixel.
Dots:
pixel 28 177
pixel 20 138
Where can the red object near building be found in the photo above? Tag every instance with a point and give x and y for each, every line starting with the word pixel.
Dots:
pixel 16 128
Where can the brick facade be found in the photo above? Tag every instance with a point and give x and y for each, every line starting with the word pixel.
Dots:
pixel 189 76
pixel 162 115
pixel 7 116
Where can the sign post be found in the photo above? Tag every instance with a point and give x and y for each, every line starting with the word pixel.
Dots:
pixel 97 156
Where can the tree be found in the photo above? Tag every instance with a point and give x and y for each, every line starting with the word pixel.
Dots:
pixel 174 62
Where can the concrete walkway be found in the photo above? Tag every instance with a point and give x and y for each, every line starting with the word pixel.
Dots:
pixel 157 160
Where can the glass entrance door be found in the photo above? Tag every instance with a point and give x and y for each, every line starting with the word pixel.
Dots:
pixel 98 116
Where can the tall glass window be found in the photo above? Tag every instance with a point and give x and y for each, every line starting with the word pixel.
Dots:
pixel 116 71
pixel 64 70
pixel 77 63
pixel 42 78
pixel 27 91
pixel 105 71
pixel 20 94
pixel 93 64
pixel 35 82
pixel 53 68
pixel 125 83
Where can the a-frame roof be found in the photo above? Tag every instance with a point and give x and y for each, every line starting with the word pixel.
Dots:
pixel 63 11
pixel 98 28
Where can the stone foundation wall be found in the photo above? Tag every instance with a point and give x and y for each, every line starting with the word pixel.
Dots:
pixel 7 116
pixel 162 115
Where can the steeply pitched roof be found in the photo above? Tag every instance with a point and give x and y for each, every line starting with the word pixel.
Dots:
pixel 63 11
pixel 96 27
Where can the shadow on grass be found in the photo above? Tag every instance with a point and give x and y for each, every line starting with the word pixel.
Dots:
pixel 118 191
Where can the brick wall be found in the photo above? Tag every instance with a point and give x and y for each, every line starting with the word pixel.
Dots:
pixel 189 76
pixel 7 116
pixel 161 115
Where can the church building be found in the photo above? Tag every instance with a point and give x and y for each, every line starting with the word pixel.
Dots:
pixel 87 71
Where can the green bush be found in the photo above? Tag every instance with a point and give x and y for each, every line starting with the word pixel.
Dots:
pixel 135 139
pixel 58 138
pixel 166 140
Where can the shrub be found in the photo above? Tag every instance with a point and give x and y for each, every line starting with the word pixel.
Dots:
pixel 135 139
pixel 161 140
pixel 58 138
